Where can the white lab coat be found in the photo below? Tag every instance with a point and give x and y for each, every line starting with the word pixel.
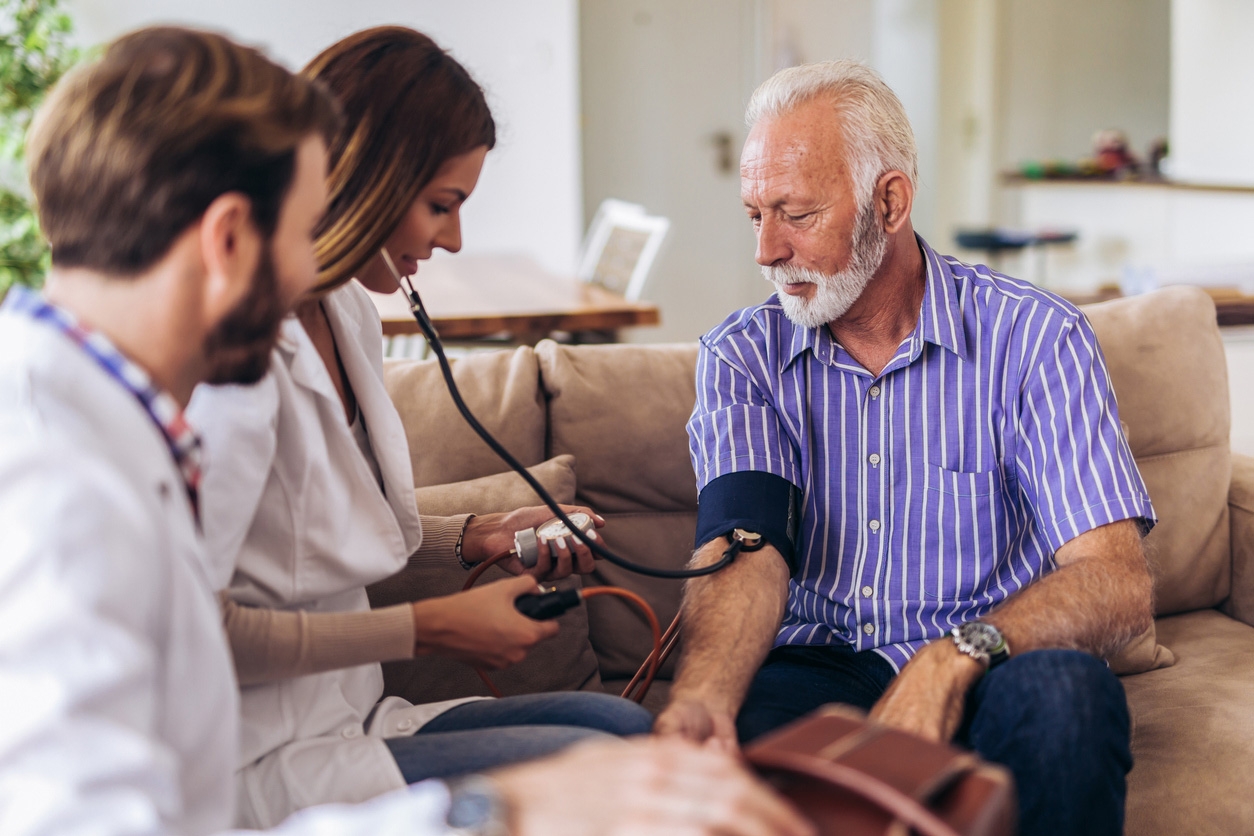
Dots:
pixel 295 519
pixel 116 687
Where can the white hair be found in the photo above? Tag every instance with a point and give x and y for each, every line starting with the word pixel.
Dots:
pixel 874 123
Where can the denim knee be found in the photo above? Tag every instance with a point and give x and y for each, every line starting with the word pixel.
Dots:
pixel 1072 694
pixel 1059 720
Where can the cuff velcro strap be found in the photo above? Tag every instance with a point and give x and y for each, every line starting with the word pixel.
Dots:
pixel 755 501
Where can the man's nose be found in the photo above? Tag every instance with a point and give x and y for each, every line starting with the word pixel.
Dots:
pixel 773 245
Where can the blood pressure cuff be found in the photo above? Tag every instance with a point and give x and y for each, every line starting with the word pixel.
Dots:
pixel 755 501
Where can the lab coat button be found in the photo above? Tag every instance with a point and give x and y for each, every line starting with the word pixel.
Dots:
pixel 349 732
pixel 405 725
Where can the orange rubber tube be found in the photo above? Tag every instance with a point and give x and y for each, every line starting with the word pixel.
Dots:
pixel 654 658
pixel 651 664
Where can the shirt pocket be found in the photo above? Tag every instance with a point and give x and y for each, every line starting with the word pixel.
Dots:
pixel 965 537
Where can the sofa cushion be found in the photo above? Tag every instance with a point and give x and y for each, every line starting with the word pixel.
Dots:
pixel 622 410
pixel 500 492
pixel 1192 734
pixel 565 662
pixel 1240 604
pixel 1167 364
pixel 502 389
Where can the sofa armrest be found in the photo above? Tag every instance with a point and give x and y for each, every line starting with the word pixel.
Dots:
pixel 1240 603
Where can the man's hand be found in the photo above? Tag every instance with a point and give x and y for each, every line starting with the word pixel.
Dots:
pixel 643 786
pixel 929 696
pixel 481 626
pixel 699 722
pixel 492 534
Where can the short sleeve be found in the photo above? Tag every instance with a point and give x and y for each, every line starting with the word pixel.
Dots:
pixel 735 426
pixel 1073 463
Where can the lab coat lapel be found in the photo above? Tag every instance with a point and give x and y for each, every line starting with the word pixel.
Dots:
pixel 305 363
pixel 359 339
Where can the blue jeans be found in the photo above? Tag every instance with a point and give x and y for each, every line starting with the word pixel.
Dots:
pixel 1057 719
pixel 484 734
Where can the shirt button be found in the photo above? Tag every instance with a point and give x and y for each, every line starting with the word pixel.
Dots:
pixel 867 592
pixel 349 732
pixel 874 459
pixel 874 524
pixel 868 628
pixel 874 392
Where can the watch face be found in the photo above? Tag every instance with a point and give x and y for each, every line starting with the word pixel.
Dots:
pixel 982 637
pixel 555 528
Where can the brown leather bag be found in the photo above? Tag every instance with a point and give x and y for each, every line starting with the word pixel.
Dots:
pixel 852 777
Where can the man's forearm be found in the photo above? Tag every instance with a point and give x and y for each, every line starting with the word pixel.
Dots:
pixel 730 621
pixel 1098 600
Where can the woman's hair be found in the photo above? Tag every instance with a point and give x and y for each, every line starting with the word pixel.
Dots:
pixel 408 108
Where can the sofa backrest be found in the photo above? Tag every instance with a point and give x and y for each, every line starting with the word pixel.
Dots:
pixel 1166 360
pixel 502 389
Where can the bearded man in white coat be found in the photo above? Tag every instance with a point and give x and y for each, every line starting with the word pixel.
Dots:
pixel 179 180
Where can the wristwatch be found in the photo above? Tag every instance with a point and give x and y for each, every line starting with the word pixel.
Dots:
pixel 982 642
pixel 476 808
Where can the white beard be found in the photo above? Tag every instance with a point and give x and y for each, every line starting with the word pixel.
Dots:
pixel 834 294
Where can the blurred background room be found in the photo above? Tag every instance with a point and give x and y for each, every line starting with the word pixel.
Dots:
pixel 1095 147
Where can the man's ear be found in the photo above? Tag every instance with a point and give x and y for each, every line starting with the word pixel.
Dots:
pixel 895 196
pixel 230 246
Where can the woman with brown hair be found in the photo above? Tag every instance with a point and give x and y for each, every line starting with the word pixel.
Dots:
pixel 308 491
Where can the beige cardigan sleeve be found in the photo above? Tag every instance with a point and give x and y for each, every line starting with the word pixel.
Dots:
pixel 272 644
pixel 439 536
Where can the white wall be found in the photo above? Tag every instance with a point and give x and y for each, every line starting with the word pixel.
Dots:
pixel 906 52
pixel 1069 68
pixel 1212 91
pixel 524 54
pixel 899 38
pixel 966 170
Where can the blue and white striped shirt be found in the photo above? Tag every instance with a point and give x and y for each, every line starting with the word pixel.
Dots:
pixel 936 490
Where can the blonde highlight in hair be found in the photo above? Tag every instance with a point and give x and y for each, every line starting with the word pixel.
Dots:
pixel 876 128
pixel 130 150
pixel 409 108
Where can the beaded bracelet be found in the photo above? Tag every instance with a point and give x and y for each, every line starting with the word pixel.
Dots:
pixel 457 549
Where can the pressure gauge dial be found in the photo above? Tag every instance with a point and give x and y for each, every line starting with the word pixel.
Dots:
pixel 527 542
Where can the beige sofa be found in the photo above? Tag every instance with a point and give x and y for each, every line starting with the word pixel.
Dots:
pixel 605 425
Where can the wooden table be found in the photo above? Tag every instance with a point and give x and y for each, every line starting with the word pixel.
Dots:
pixel 1232 307
pixel 472 297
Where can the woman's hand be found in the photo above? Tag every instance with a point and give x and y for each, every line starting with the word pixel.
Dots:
pixel 480 626
pixel 492 534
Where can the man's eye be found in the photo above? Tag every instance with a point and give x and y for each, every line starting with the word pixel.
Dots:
pixel 801 217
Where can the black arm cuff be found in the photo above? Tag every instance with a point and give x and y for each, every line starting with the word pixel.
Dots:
pixel 755 501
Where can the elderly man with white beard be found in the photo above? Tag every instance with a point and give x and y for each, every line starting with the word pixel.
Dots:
pixel 933 454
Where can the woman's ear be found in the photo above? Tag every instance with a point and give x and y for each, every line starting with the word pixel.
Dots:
pixel 896 197
pixel 230 247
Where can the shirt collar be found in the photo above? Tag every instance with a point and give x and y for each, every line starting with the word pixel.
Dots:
pixel 940 315
pixel 162 408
